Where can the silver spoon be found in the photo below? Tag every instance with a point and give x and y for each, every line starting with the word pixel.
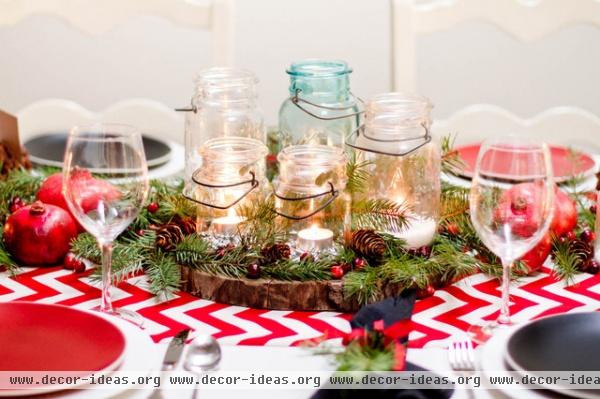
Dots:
pixel 203 355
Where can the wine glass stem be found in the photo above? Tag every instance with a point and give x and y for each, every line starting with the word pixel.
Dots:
pixel 106 305
pixel 504 317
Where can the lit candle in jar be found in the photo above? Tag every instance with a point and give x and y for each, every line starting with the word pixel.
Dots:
pixel 418 232
pixel 227 225
pixel 315 239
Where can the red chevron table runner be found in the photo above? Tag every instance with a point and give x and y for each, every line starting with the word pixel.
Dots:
pixel 448 312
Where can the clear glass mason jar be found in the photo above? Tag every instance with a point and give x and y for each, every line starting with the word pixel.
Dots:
pixel 310 196
pixel 224 104
pixel 231 179
pixel 403 162
pixel 321 108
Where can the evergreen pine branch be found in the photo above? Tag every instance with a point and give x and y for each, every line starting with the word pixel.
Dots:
pixel 19 183
pixel 261 227
pixel 566 262
pixel 394 245
pixel 452 262
pixel 455 202
pixel 408 271
pixel 193 250
pixel 363 285
pixel 164 274
pixel 6 259
pixel 379 214
pixel 197 253
pixel 358 175
pixel 294 270
pixel 451 160
pixel 357 357
pixel 130 255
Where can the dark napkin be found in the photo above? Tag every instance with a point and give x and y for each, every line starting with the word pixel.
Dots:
pixel 391 311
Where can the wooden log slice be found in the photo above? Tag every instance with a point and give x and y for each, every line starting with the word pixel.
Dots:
pixel 272 294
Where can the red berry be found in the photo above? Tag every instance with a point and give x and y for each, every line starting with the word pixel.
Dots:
pixel 306 257
pixel 413 251
pixel 571 236
pixel 359 263
pixel 452 229
pixel 592 267
pixel 425 251
pixel 253 271
pixel 346 267
pixel 140 232
pixel 426 292
pixel 72 262
pixel 153 207
pixel 16 204
pixel 593 209
pixel 587 235
pixel 337 272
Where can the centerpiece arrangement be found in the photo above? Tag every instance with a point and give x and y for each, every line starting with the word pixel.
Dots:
pixel 356 211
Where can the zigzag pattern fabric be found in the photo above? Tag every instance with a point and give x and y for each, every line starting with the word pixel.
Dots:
pixel 448 312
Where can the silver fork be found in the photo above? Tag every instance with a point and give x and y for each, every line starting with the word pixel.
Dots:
pixel 461 355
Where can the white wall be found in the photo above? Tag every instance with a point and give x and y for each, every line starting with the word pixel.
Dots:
pixel 44 57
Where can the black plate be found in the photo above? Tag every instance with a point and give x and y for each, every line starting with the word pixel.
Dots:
pixel 568 342
pixel 49 150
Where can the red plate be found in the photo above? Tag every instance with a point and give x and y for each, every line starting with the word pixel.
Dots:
pixel 40 337
pixel 563 162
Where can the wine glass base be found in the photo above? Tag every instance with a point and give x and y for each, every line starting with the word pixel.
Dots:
pixel 481 332
pixel 127 315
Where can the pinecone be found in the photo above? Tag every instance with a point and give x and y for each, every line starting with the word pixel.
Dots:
pixel 368 243
pixel 583 249
pixel 187 225
pixel 275 252
pixel 168 236
pixel 8 160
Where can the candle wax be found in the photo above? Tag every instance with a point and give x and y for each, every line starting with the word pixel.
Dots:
pixel 419 232
pixel 227 225
pixel 315 238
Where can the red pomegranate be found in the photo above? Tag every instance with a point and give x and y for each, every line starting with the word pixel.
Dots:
pixel 39 234
pixel 91 191
pixel 565 214
pixel 535 258
pixel 518 207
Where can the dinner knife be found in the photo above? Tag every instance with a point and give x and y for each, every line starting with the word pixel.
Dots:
pixel 174 350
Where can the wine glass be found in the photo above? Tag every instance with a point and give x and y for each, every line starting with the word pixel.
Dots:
pixel 511 207
pixel 105 184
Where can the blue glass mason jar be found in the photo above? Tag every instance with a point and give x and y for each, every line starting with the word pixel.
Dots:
pixel 321 109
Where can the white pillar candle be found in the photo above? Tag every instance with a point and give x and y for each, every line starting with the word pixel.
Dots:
pixel 315 239
pixel 418 232
pixel 226 225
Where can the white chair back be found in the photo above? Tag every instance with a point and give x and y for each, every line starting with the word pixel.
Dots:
pixel 527 20
pixel 96 17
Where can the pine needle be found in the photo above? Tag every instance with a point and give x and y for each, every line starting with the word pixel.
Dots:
pixel 379 214
pixel 358 175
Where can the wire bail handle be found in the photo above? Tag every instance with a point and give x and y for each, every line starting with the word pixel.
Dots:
pixel 426 140
pixel 296 100
pixel 334 194
pixel 189 108
pixel 252 181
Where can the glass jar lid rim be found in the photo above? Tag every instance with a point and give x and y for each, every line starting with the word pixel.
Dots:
pixel 398 101
pixel 225 77
pixel 325 154
pixel 317 68
pixel 225 147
